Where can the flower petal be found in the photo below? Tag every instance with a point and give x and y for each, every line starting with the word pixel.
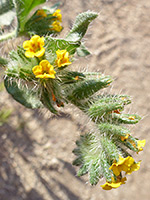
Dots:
pixel 40 53
pixel 26 44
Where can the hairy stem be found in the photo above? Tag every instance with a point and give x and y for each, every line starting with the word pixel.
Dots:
pixel 8 36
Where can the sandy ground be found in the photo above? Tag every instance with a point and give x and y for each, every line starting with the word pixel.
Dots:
pixel 36 148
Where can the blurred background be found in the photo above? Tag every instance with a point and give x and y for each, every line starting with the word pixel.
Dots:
pixel 36 148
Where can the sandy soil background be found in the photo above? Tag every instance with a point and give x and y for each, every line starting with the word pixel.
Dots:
pixel 36 148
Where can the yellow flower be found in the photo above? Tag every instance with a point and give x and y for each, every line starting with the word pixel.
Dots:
pixel 62 58
pixel 125 137
pixel 34 47
pixel 141 143
pixel 58 15
pixel 56 26
pixel 134 167
pixel 131 117
pixel 44 70
pixel 124 164
pixel 41 13
pixel 113 184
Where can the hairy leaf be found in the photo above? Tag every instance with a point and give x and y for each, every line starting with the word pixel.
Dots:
pixel 80 26
pixel 82 51
pixel 23 94
pixel 86 88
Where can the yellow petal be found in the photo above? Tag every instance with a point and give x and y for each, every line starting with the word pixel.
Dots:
pixel 41 41
pixel 141 143
pixel 40 53
pixel 26 44
pixel 109 186
pixel 125 137
pixel 29 54
pixel 37 70
pixel 134 167
pixel 35 38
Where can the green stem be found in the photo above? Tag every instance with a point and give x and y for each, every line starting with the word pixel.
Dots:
pixel 8 36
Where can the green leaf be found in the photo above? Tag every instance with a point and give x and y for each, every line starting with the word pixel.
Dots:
pixel 86 88
pixel 98 110
pixel 69 77
pixel 23 9
pixel 20 66
pixel 83 170
pixel 53 44
pixel 102 105
pixel 82 51
pixel 91 158
pixel 112 129
pixel 95 173
pixel 46 99
pixel 23 94
pixel 80 26
pixel 125 118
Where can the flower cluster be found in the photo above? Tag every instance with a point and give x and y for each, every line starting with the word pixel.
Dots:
pixel 127 165
pixel 35 48
pixel 56 25
pixel 41 13
pixel 56 20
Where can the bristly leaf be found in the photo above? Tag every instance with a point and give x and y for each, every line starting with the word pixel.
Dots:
pixel 82 51
pixel 46 99
pixel 124 118
pixel 23 9
pixel 102 106
pixel 69 77
pixel 112 129
pixel 91 158
pixel 86 88
pixel 20 66
pixel 95 173
pixel 23 94
pixel 80 26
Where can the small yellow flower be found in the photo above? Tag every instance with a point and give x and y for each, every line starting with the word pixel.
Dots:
pixel 113 184
pixel 58 15
pixel 131 117
pixel 123 138
pixel 62 58
pixel 41 13
pixel 34 47
pixel 56 26
pixel 141 143
pixel 44 70
pixel 134 167
pixel 124 164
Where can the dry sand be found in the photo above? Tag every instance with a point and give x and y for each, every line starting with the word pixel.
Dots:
pixel 36 150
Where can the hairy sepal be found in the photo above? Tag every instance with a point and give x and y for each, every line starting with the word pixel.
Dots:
pixel 80 26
